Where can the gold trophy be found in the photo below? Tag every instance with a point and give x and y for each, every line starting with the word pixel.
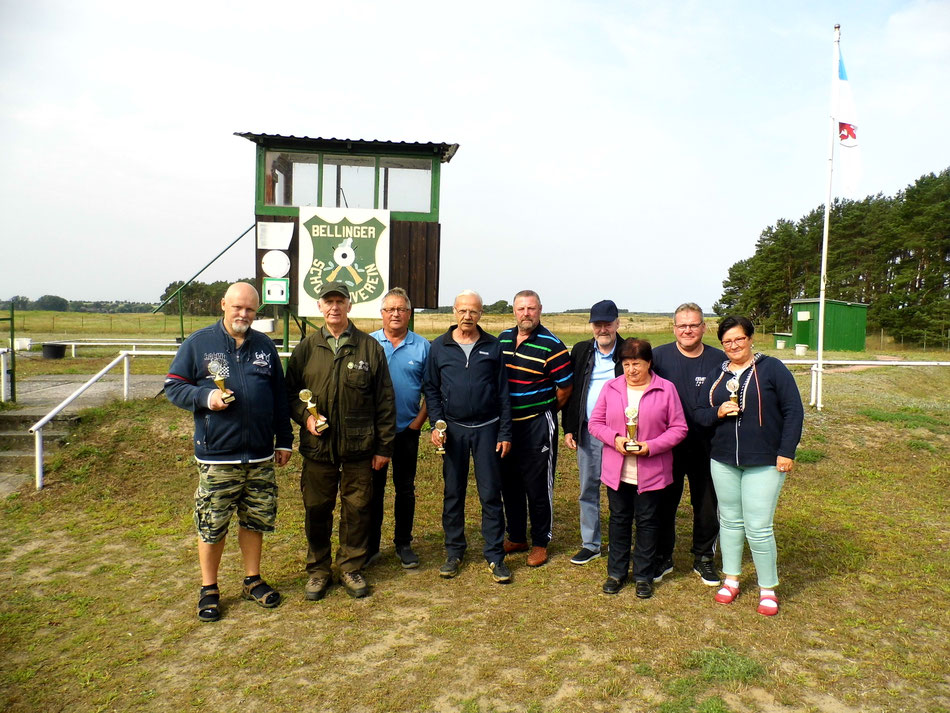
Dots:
pixel 631 446
pixel 219 371
pixel 306 395
pixel 732 386
pixel 440 427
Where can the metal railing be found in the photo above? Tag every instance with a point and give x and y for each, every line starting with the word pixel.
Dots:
pixel 146 343
pixel 114 343
pixel 37 428
pixel 125 357
pixel 813 401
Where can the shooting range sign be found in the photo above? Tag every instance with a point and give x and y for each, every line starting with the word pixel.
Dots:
pixel 343 245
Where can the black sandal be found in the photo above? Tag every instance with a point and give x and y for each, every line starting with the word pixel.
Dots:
pixel 208 604
pixel 261 592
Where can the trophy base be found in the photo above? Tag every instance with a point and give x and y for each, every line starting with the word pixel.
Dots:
pixel 227 398
pixel 632 447
pixel 321 426
pixel 440 450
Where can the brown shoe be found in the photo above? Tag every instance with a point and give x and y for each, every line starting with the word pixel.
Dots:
pixel 354 584
pixel 515 546
pixel 317 587
pixel 538 556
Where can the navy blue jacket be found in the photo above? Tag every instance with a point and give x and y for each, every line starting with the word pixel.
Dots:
pixel 245 431
pixel 468 391
pixel 770 424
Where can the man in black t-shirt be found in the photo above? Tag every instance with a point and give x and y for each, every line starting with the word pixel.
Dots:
pixel 687 362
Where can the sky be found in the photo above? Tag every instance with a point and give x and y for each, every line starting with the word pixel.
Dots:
pixel 624 150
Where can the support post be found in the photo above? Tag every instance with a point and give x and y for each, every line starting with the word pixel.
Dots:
pixel 38 442
pixel 181 317
pixel 816 402
pixel 125 375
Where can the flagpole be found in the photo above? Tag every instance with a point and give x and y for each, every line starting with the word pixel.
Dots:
pixel 816 392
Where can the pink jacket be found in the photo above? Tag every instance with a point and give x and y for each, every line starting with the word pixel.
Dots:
pixel 661 426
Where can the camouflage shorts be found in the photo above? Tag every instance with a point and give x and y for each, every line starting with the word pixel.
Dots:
pixel 223 487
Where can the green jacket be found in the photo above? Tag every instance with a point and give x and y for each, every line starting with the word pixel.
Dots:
pixel 352 388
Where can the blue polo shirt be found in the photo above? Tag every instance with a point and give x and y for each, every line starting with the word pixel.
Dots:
pixel 407 364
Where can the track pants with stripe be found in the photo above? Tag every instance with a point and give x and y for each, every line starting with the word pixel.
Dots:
pixel 528 479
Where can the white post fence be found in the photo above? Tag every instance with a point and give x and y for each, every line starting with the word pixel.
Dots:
pixel 5 386
pixel 125 357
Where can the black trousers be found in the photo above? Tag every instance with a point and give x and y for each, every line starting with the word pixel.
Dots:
pixel 404 460
pixel 480 443
pixel 528 479
pixel 626 507
pixel 690 460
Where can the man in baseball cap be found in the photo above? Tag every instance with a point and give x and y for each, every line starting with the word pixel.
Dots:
pixel 595 361
pixel 346 372
pixel 334 288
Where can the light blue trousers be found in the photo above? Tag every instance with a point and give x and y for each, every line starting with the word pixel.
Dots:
pixel 747 500
pixel 588 464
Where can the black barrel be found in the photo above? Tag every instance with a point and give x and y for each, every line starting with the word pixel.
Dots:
pixel 54 351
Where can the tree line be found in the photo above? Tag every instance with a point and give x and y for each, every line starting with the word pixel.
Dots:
pixel 55 303
pixel 199 298
pixel 889 252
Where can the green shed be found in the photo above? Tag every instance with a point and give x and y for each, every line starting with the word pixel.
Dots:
pixel 845 324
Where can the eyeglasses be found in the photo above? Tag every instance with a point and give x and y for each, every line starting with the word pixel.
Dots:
pixel 737 342
pixel 684 327
pixel 394 310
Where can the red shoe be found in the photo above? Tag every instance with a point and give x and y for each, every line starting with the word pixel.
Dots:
pixel 727 594
pixel 537 557
pixel 515 546
pixel 768 609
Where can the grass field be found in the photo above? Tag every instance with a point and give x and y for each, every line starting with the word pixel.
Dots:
pixel 100 582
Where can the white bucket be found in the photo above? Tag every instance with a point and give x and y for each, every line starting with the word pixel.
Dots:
pixel 22 344
pixel 265 324
pixel 779 343
pixel 801 349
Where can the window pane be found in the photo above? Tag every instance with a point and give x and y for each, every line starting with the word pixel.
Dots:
pixel 290 178
pixel 349 181
pixel 306 176
pixel 406 184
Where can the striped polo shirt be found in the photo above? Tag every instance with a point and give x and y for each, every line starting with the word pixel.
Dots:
pixel 536 369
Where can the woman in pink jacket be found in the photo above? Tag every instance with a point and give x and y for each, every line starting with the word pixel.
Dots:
pixel 636 470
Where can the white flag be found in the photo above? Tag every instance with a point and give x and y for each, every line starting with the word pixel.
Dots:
pixel 849 155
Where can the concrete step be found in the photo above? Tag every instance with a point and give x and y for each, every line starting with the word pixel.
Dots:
pixel 10 482
pixel 52 437
pixel 18 445
pixel 21 459
pixel 22 419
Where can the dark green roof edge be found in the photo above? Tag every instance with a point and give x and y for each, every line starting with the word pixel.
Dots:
pixel 354 146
